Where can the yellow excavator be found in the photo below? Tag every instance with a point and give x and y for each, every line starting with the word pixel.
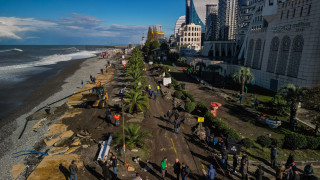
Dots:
pixel 97 98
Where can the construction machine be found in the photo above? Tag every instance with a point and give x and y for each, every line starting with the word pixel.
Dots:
pixel 96 98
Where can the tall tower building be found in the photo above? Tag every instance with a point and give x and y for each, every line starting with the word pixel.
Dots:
pixel 187 12
pixel 180 22
pixel 228 19
pixel 212 24
pixel 143 40
pixel 197 12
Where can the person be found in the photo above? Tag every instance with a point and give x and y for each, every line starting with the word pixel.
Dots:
pixel 244 166
pixel 308 170
pixel 224 158
pixel 169 114
pixel 108 115
pixel 280 172
pixel 259 173
pixel 101 70
pixel 149 87
pixel 207 129
pixel 177 169
pixel 47 109
pixel 240 98
pixel 155 93
pixel 184 171
pixel 82 83
pixel 114 166
pixel 235 163
pixel 211 172
pixel 106 171
pixel 163 167
pixel 158 88
pixel 91 78
pixel 117 119
pixel 137 177
pixel 256 103
pixel 176 125
pixel 150 94
pixel 73 169
pixel 176 115
pixel 274 154
pixel 290 159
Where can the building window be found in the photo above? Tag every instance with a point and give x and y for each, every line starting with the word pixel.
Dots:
pixel 301 11
pixel 281 14
pixel 283 56
pixel 309 9
pixel 185 39
pixel 191 34
pixel 189 28
pixel 188 39
pixel 295 57
pixel 185 34
pixel 181 39
pixel 256 57
pixel 192 39
pixel 250 51
pixel 273 54
pixel 288 14
pixel 294 12
pixel 188 34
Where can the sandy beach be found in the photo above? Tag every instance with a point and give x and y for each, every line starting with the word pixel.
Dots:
pixel 58 87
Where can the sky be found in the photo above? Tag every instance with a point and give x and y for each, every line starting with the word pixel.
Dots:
pixel 84 22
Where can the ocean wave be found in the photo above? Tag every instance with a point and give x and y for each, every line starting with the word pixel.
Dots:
pixel 67 49
pixel 52 59
pixel 8 50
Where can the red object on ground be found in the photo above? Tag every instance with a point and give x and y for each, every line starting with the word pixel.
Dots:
pixel 183 68
pixel 214 106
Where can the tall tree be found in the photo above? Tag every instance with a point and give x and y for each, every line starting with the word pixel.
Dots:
pixel 293 95
pixel 243 76
pixel 150 35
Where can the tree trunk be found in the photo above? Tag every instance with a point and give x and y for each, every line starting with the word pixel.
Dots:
pixel 242 84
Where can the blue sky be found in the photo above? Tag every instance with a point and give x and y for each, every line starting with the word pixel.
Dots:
pixel 84 21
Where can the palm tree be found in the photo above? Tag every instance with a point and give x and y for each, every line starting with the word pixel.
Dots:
pixel 135 101
pixel 134 136
pixel 243 76
pixel 293 95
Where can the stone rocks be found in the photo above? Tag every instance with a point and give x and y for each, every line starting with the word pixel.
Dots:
pixel 67 134
pixel 189 119
pixel 177 103
pixel 70 150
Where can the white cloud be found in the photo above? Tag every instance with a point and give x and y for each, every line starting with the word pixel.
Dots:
pixel 73 26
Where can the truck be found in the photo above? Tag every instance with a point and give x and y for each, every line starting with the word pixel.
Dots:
pixel 96 98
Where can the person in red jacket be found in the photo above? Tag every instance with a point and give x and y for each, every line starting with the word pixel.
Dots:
pixel 117 118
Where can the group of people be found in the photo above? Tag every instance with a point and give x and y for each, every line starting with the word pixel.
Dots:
pixel 178 169
pixel 155 92
pixel 176 122
pixel 290 171
pixel 116 117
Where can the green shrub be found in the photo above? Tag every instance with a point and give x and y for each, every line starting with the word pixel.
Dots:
pixel 247 142
pixel 276 142
pixel 295 141
pixel 202 107
pixel 313 142
pixel 187 94
pixel 178 94
pixel 189 107
pixel 232 134
pixel 264 141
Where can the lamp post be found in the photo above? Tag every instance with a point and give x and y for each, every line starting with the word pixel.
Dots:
pixel 123 134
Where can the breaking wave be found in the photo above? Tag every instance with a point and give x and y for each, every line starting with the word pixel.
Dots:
pixel 8 50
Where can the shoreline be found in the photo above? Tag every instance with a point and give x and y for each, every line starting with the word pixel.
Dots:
pixel 57 87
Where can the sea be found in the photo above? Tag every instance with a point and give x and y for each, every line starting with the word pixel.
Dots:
pixel 24 68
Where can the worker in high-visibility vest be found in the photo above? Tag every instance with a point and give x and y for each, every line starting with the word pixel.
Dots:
pixel 117 118
pixel 149 87
pixel 158 88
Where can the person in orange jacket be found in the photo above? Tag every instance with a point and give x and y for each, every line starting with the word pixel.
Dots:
pixel 117 118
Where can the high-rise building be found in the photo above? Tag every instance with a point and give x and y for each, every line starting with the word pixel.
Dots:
pixel 212 25
pixel 187 11
pixel 157 30
pixel 196 12
pixel 228 19
pixel 180 22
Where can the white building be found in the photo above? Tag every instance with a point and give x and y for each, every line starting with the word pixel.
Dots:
pixel 190 35
pixel 286 47
pixel 180 22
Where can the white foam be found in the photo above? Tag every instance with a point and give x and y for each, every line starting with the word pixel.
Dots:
pixel 52 59
pixel 14 49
